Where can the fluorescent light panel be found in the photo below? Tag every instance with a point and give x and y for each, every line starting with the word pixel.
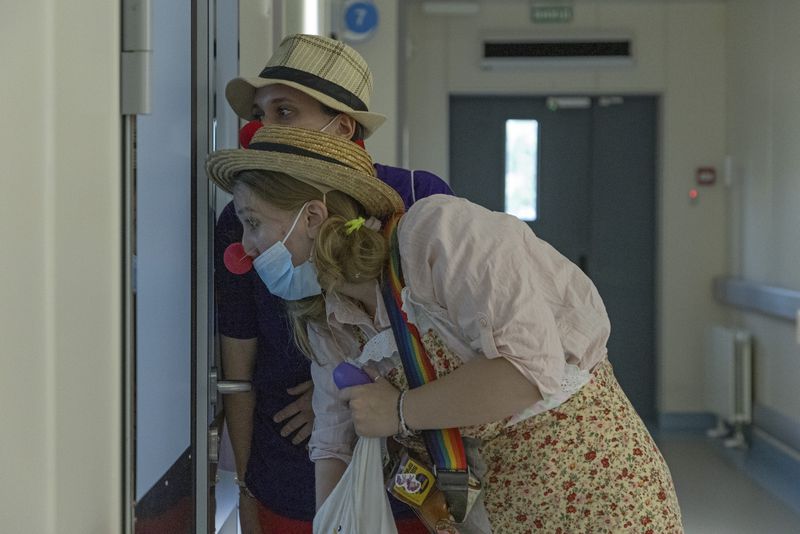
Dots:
pixel 311 17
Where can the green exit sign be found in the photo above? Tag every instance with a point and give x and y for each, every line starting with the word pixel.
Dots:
pixel 551 13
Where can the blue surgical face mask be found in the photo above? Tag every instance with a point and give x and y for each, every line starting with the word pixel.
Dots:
pixel 279 274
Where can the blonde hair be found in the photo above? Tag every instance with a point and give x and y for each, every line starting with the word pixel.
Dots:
pixel 339 257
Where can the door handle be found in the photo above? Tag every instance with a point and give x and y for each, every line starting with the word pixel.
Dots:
pixel 225 387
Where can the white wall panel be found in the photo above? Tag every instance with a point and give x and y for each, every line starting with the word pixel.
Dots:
pixel 60 228
pixel 764 133
pixel 692 247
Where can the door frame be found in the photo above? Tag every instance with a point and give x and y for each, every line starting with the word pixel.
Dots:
pixel 202 311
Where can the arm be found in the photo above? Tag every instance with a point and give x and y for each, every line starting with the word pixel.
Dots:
pixel 478 392
pixel 327 471
pixel 331 443
pixel 238 360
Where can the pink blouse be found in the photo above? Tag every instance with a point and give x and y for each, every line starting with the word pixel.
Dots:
pixel 490 288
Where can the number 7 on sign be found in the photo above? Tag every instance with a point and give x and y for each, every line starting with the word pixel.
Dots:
pixel 360 19
pixel 361 15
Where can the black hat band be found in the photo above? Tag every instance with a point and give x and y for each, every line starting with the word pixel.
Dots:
pixel 326 87
pixel 290 149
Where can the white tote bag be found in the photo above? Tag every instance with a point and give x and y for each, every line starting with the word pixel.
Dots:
pixel 359 503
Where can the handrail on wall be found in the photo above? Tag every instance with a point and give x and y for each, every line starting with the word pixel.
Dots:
pixel 774 301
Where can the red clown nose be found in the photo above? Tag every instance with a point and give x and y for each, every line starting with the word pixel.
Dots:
pixel 248 131
pixel 236 259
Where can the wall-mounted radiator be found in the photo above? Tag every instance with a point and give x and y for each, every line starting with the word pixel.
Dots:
pixel 728 381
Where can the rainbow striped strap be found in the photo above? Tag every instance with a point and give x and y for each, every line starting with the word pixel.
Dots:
pixel 445 446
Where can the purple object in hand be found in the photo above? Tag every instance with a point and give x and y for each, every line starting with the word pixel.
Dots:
pixel 346 375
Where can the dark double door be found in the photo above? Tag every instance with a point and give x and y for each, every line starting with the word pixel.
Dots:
pixel 595 202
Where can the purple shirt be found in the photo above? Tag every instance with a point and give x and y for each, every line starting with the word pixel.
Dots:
pixel 280 474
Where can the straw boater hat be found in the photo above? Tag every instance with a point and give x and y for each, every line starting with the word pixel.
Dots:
pixel 327 70
pixel 324 161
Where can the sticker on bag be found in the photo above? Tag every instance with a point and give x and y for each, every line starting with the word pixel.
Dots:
pixel 411 482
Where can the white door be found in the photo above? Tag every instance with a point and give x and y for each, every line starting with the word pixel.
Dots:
pixel 167 297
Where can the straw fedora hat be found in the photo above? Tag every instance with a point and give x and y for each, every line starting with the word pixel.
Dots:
pixel 327 70
pixel 324 161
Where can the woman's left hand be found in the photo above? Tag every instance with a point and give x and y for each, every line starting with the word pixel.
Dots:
pixel 374 407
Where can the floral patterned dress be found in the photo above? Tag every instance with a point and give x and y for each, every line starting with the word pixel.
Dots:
pixel 586 466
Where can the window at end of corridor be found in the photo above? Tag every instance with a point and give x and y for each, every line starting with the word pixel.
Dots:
pixel 522 153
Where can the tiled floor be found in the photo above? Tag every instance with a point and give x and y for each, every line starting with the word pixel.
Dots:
pixel 716 497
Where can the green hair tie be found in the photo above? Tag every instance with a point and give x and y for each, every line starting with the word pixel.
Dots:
pixel 354 224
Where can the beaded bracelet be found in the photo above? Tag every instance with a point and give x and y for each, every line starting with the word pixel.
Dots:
pixel 402 428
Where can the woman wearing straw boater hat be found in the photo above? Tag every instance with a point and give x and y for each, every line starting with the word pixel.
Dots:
pixel 320 84
pixel 514 336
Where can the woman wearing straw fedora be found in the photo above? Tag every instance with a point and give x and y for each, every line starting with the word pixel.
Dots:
pixel 493 349
pixel 320 84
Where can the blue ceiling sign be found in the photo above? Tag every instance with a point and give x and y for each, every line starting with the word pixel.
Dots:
pixel 360 21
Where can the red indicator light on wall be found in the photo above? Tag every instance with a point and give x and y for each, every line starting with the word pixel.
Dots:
pixel 706 175
pixel 693 194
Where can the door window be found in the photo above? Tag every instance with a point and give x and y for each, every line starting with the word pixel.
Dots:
pixel 522 153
